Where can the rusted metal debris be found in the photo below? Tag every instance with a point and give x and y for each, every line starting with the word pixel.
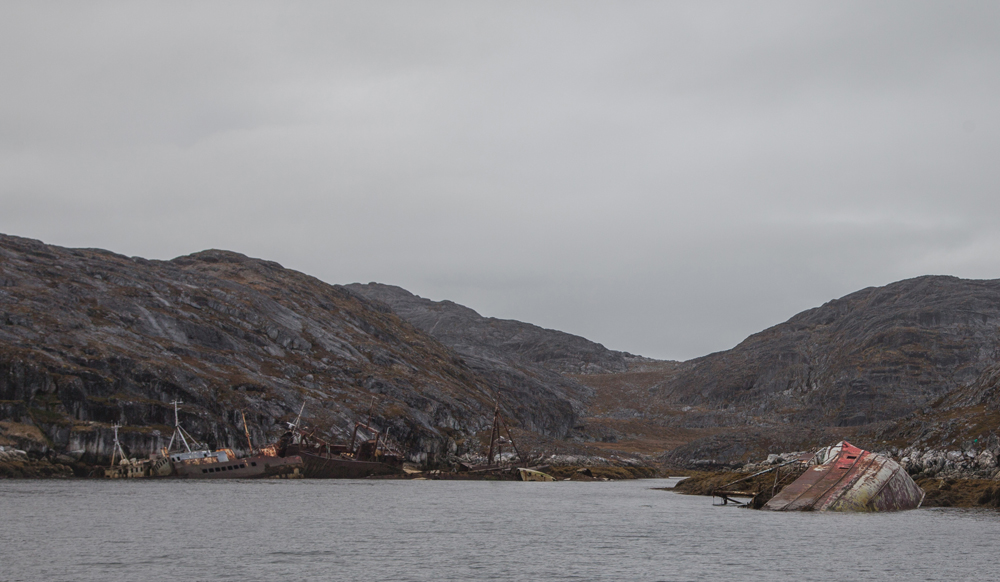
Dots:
pixel 846 478
pixel 730 493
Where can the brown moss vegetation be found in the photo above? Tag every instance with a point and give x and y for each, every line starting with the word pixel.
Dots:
pixel 961 493
pixel 29 468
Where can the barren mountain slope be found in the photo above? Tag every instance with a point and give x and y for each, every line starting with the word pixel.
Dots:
pixel 88 338
pixel 846 369
pixel 873 355
pixel 514 342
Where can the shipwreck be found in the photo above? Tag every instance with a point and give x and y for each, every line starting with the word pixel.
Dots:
pixel 841 477
pixel 846 478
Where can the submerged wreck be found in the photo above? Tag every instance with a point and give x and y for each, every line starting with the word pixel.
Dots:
pixel 846 478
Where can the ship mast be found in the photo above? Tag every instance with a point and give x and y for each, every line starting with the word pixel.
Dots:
pixel 178 431
pixel 497 439
pixel 117 450
pixel 246 429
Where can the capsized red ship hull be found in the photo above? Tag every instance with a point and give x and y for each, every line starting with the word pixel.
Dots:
pixel 849 479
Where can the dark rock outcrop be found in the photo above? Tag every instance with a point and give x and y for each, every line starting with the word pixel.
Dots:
pixel 88 338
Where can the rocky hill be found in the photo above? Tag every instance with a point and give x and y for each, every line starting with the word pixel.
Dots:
pixel 89 338
pixel 513 342
pixel 841 370
pixel 852 365
pixel 873 355
pixel 505 350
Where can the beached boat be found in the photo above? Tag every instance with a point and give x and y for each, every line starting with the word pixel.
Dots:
pixel 533 475
pixel 324 460
pixel 194 463
pixel 846 478
pixel 123 467
pixel 223 464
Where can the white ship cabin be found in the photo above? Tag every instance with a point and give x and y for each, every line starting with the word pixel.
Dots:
pixel 219 456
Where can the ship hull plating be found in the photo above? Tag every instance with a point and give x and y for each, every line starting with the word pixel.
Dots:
pixel 246 468
pixel 330 466
pixel 852 479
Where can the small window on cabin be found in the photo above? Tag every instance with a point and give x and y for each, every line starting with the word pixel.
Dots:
pixel 243 466
pixel 204 470
pixel 854 457
pixel 253 464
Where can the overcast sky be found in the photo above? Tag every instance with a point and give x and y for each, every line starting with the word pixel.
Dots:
pixel 663 178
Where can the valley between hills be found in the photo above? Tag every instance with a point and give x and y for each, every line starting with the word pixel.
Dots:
pixel 89 338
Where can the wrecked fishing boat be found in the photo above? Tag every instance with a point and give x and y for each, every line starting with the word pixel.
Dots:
pixel 498 467
pixel 191 463
pixel 846 478
pixel 325 460
pixel 533 475
pixel 223 464
pixel 369 456
pixel 123 467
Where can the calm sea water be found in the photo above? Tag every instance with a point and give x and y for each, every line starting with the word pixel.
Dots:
pixel 425 530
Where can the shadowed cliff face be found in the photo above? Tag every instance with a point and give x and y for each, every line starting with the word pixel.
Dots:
pixel 88 338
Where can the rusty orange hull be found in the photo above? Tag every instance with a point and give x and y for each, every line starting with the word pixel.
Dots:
pixel 852 479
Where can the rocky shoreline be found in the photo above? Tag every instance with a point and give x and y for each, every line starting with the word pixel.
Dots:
pixel 15 464
pixel 20 464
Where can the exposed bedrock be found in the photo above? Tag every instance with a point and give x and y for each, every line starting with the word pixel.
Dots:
pixel 871 356
pixel 89 338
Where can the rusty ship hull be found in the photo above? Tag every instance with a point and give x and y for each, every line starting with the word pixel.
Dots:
pixel 850 479
pixel 258 466
pixel 319 464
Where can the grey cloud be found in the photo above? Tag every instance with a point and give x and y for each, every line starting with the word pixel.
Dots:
pixel 665 178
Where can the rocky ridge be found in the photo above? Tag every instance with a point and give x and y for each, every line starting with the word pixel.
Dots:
pixel 871 356
pixel 504 349
pixel 513 342
pixel 89 338
pixel 848 369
